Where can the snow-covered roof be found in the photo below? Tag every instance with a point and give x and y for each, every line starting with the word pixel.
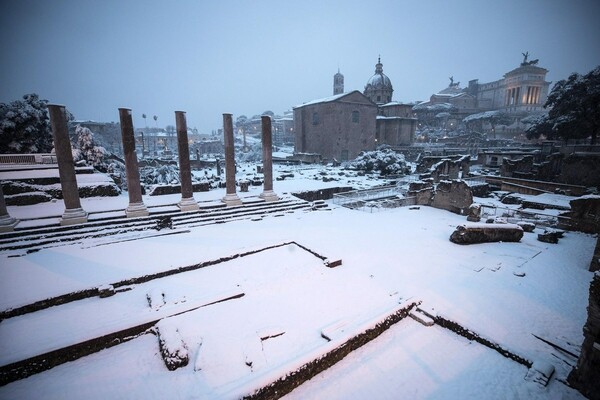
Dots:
pixel 327 99
pixel 383 117
pixel 398 103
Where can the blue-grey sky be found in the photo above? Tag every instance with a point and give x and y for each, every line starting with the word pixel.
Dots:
pixel 246 57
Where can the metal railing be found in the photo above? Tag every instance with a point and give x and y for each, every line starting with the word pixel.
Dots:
pixel 375 199
pixel 514 215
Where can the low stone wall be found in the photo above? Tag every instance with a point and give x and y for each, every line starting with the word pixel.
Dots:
pixel 552 187
pixel 20 193
pixel 584 215
pixel 321 194
pixel 160 190
pixel 286 384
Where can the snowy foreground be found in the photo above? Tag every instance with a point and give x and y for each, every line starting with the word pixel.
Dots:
pixel 290 299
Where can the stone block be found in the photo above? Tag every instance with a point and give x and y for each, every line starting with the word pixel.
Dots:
pixel 548 237
pixel 483 233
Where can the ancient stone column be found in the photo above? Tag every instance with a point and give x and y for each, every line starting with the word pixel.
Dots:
pixel 73 214
pixel 7 223
pixel 267 152
pixel 231 198
pixel 187 202
pixel 136 207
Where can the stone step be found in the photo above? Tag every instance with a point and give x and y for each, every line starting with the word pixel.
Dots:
pixel 38 238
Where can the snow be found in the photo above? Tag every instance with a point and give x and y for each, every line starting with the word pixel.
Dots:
pixel 291 300
pixel 323 100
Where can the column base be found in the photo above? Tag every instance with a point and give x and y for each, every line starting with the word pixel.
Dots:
pixel 231 200
pixel 188 204
pixel 8 223
pixel 269 195
pixel 73 216
pixel 136 210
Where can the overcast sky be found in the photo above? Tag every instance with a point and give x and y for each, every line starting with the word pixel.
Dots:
pixel 246 57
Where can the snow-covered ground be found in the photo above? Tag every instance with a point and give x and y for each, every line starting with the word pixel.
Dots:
pixel 290 298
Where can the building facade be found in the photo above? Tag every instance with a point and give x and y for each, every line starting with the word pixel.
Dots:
pixel 341 126
pixel 396 124
pixel 521 92
pixel 337 127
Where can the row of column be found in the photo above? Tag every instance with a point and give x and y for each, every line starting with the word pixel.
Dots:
pixel 74 213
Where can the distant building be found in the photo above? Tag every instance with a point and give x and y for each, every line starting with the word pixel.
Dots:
pixel 341 126
pixel 283 129
pixel 396 124
pixel 337 127
pixel 521 92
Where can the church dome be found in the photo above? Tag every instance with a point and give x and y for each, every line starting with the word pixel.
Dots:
pixel 379 80
pixel 379 87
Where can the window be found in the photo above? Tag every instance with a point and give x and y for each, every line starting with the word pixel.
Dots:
pixel 378 98
pixel 315 118
pixel 355 116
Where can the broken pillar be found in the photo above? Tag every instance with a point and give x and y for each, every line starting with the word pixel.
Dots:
pixel 267 152
pixel 7 223
pixel 73 214
pixel 231 198
pixel 136 207
pixel 485 233
pixel 187 202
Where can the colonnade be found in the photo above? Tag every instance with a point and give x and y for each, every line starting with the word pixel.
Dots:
pixel 74 213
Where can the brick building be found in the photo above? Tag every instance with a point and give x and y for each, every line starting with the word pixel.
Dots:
pixel 341 126
pixel 337 127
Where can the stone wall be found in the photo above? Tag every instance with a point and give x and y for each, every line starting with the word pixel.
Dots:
pixel 519 168
pixel 455 196
pixel 581 169
pixel 328 128
pixel 321 194
pixel 585 376
pixel 584 215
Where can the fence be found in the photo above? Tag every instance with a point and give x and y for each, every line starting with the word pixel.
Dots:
pixel 512 216
pixel 376 199
pixel 28 159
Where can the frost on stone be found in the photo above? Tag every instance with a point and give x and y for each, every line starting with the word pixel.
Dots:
pixel 156 298
pixel 173 349
pixel 540 372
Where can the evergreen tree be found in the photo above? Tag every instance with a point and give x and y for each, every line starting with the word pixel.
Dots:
pixel 574 109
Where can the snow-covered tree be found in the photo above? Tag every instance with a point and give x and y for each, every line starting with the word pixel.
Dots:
pixel 25 126
pixel 574 109
pixel 86 147
pixel 493 118
pixel 383 160
pixel 427 113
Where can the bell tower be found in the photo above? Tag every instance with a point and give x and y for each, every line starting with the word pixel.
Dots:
pixel 338 83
